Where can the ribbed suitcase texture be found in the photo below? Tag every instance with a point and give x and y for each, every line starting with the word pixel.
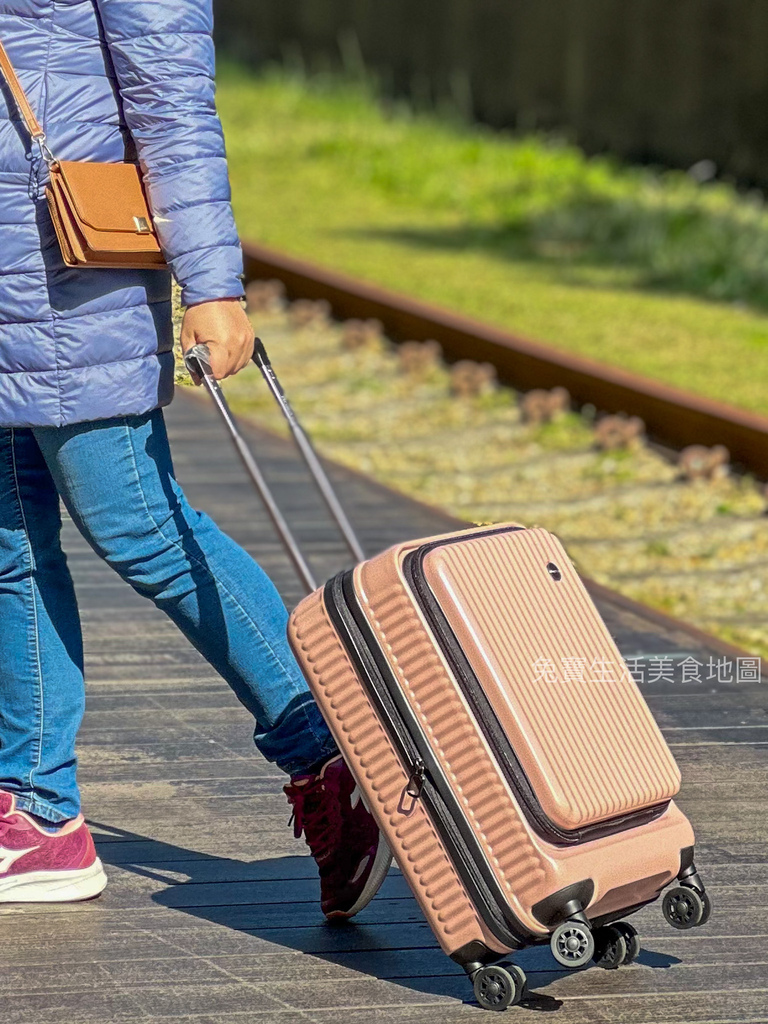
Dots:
pixel 368 750
pixel 592 752
pixel 554 676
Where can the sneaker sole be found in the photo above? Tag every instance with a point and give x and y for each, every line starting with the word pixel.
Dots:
pixel 54 886
pixel 379 871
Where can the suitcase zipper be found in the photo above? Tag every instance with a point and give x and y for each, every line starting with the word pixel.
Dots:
pixel 426 780
pixel 503 750
pixel 416 780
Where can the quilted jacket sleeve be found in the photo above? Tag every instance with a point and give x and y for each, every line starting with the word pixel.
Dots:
pixel 163 56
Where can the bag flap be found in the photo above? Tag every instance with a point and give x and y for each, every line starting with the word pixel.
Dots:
pixel 106 197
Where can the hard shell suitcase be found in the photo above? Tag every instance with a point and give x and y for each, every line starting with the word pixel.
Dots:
pixel 501 743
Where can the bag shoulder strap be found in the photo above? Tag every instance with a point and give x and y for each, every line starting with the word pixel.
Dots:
pixel 20 97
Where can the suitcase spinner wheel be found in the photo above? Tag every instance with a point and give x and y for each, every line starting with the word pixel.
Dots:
pixel 499 986
pixel 611 947
pixel 575 941
pixel 685 907
pixel 632 940
pixel 572 944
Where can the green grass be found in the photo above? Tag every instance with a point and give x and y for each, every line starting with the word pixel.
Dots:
pixel 647 271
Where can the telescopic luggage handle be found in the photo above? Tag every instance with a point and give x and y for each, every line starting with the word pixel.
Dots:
pixel 308 452
pixel 197 361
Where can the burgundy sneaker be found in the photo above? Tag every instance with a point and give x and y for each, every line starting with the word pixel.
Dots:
pixel 37 866
pixel 343 837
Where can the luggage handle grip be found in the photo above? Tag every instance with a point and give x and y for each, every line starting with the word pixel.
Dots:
pixel 197 361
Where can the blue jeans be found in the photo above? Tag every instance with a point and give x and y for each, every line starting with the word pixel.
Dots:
pixel 116 480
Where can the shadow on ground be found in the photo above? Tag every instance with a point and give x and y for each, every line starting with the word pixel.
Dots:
pixel 278 901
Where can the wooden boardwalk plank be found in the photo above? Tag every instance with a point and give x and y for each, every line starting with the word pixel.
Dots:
pixel 223 927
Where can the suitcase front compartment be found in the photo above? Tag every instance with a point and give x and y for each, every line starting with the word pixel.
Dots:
pixel 584 756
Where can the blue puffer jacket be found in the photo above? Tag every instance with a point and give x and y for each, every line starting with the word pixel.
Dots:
pixel 109 80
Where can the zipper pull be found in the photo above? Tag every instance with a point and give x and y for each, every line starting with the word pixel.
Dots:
pixel 416 780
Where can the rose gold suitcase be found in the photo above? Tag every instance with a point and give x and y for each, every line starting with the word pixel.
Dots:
pixel 499 739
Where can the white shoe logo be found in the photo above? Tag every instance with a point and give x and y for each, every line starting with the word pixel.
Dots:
pixel 9 857
pixel 355 798
pixel 361 868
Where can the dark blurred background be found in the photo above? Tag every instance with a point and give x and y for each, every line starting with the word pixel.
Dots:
pixel 669 81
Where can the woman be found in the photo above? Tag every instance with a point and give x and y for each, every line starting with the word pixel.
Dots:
pixel 86 365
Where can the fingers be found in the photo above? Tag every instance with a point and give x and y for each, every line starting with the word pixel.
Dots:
pixel 230 357
pixel 225 328
pixel 222 363
pixel 188 341
pixel 238 354
pixel 246 353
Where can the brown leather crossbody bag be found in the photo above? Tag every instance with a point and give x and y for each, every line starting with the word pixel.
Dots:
pixel 100 211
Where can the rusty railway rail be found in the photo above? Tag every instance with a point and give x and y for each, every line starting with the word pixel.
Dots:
pixel 672 417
